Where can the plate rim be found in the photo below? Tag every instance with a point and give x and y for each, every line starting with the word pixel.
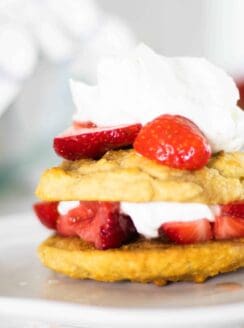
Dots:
pixel 76 314
pixel 71 313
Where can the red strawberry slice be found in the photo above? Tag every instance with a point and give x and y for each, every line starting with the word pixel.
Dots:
pixel 187 232
pixel 77 218
pixel 233 209
pixel 228 227
pixel 90 142
pixel 98 222
pixel 175 141
pixel 47 213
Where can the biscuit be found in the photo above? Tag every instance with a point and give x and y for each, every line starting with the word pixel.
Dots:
pixel 124 175
pixel 142 261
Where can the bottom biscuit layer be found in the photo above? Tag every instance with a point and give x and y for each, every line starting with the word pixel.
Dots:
pixel 142 261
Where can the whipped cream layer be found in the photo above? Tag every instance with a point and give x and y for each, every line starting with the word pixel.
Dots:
pixel 143 85
pixel 148 217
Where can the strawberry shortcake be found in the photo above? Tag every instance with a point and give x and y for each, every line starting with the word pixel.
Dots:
pixel 151 188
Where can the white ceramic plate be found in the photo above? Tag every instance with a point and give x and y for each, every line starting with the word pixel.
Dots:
pixel 31 292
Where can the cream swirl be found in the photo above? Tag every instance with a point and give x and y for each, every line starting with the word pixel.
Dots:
pixel 143 85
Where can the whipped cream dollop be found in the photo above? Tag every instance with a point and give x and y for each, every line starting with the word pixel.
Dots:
pixel 148 217
pixel 142 85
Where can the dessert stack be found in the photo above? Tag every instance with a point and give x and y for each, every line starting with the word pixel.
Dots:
pixel 151 185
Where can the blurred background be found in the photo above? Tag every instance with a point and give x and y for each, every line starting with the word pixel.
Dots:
pixel 44 43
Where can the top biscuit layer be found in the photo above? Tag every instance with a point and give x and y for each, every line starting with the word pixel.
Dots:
pixel 123 175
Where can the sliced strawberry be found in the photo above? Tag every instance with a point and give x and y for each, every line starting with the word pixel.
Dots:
pixel 233 209
pixel 187 232
pixel 98 222
pixel 112 233
pixel 76 144
pixel 175 141
pixel 47 213
pixel 77 218
pixel 228 227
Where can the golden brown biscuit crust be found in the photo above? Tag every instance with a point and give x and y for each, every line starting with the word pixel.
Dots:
pixel 142 261
pixel 124 175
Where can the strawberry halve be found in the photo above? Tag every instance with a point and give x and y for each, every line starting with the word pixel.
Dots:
pixel 175 141
pixel 93 142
